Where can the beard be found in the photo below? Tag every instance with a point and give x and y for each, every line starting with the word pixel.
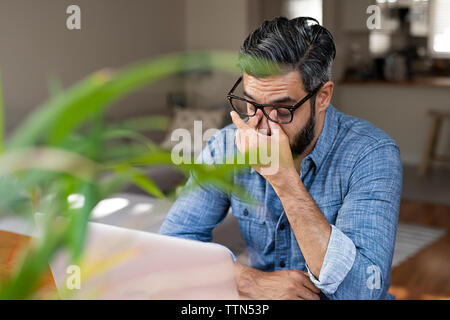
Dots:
pixel 304 138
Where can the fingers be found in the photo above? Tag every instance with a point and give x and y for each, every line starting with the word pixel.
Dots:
pixel 308 283
pixel 275 127
pixel 273 115
pixel 238 122
pixel 305 287
pixel 281 284
pixel 298 291
pixel 306 294
pixel 253 121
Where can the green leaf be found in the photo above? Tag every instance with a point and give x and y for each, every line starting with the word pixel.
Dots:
pixel 124 133
pixel 141 180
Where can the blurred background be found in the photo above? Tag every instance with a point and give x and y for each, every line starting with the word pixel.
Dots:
pixel 396 76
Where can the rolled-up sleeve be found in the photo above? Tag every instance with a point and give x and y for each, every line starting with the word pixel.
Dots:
pixel 357 263
pixel 338 261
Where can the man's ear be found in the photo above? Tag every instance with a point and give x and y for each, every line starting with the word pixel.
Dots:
pixel 324 96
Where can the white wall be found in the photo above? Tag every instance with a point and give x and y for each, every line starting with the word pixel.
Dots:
pixel 401 111
pixel 35 45
pixel 214 25
pixel 221 25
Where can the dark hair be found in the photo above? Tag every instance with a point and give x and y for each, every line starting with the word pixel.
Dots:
pixel 281 45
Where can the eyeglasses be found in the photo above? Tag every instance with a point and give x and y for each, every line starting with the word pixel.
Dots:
pixel 246 108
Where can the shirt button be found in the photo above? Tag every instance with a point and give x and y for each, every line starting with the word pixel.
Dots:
pixel 282 226
pixel 282 264
pixel 245 212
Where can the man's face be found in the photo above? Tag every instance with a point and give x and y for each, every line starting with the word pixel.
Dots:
pixel 285 89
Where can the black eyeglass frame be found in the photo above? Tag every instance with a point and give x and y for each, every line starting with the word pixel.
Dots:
pixel 257 106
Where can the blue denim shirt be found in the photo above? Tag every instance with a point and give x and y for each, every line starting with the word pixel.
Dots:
pixel 354 175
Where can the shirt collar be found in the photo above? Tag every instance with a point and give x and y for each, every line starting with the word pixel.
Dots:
pixel 326 138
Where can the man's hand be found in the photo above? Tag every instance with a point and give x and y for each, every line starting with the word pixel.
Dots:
pixel 276 285
pixel 250 140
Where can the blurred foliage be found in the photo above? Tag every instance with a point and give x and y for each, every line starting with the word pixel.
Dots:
pixel 65 147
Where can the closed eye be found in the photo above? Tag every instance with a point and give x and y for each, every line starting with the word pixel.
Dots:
pixel 283 112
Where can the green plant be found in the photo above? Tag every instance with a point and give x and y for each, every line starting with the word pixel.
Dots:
pixel 60 150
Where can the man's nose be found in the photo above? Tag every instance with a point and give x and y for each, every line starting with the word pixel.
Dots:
pixel 264 125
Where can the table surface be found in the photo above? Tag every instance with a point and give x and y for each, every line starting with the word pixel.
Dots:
pixel 140 213
pixel 12 246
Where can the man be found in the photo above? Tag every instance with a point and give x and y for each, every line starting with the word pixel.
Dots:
pixel 325 223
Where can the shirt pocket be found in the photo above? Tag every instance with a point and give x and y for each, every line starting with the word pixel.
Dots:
pixel 253 223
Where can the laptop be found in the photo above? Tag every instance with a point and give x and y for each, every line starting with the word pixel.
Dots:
pixel 124 264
